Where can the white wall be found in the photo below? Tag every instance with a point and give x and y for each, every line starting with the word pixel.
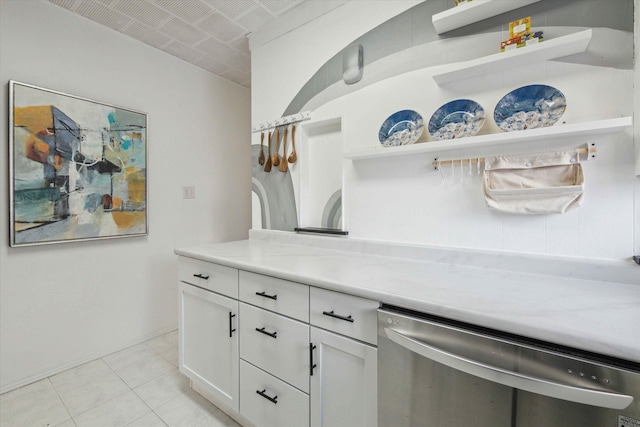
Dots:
pixel 280 67
pixel 636 124
pixel 406 200
pixel 403 200
pixel 64 304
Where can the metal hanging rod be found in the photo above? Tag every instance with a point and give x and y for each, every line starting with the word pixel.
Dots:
pixel 586 153
pixel 282 121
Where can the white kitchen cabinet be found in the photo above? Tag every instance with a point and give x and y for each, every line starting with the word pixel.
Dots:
pixel 208 344
pixel 344 314
pixel 270 402
pixel 248 342
pixel 276 344
pixel 214 277
pixel 343 381
pixel 280 296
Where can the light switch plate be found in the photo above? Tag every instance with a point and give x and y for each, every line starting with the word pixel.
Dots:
pixel 189 192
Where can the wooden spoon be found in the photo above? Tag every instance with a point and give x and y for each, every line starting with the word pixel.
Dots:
pixel 267 166
pixel 261 157
pixel 276 156
pixel 293 157
pixel 283 164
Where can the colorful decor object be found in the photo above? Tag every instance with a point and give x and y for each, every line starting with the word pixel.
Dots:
pixel 456 119
pixel 401 128
pixel 530 107
pixel 78 168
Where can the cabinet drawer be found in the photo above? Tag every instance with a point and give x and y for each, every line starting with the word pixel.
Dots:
pixel 215 277
pixel 268 402
pixel 276 344
pixel 344 314
pixel 281 296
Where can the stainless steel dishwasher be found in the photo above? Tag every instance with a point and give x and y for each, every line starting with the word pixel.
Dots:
pixel 437 373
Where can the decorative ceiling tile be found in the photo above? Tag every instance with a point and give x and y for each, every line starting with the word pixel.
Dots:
pixel 240 62
pixel 147 35
pixel 255 19
pixel 216 49
pixel 211 64
pixel 183 52
pixel 103 15
pixel 210 34
pixel 143 11
pixel 67 4
pixel 182 31
pixel 221 27
pixel 190 11
pixel 279 6
pixel 235 76
pixel 232 8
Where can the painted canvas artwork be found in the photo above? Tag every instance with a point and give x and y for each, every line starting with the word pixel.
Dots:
pixel 78 168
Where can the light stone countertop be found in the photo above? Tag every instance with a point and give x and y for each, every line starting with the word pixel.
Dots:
pixel 594 315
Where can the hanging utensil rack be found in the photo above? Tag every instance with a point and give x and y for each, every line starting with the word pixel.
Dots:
pixel 282 121
pixel 586 153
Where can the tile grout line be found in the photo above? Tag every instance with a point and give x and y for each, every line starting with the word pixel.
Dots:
pixel 61 399
pixel 153 411
pixel 87 378
pixel 73 418
pixel 129 388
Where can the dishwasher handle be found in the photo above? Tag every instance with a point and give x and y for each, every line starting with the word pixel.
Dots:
pixel 604 399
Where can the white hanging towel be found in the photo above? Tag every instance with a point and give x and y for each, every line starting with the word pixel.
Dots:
pixel 534 183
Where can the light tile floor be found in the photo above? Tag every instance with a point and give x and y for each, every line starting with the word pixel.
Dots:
pixel 138 387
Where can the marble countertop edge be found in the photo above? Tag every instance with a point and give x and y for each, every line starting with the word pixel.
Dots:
pixel 592 315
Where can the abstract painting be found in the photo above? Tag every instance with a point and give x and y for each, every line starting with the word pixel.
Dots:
pixel 78 168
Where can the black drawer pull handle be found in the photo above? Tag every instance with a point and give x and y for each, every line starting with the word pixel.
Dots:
pixel 271 334
pixel 264 294
pixel 337 316
pixel 231 330
pixel 311 364
pixel 200 276
pixel 262 393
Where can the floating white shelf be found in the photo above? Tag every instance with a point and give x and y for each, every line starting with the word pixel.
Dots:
pixel 474 11
pixel 544 51
pixel 522 138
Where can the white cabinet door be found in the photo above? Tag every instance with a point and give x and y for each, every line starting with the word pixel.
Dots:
pixel 209 342
pixel 344 389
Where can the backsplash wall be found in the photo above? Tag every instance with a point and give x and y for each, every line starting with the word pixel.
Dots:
pixel 404 200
